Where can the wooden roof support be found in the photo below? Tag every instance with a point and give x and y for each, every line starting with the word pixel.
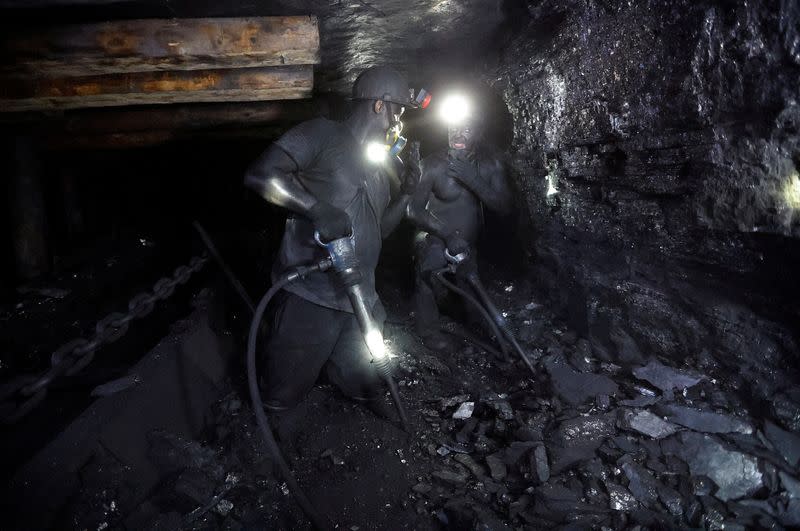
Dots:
pixel 244 84
pixel 184 117
pixel 161 44
pixel 141 139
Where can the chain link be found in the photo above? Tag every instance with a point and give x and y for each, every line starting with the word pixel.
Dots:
pixel 23 394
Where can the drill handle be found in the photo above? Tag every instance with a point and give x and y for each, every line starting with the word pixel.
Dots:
pixel 343 256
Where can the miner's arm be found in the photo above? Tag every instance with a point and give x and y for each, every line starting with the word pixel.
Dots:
pixel 274 177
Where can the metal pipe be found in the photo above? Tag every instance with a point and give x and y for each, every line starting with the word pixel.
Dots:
pixel 439 275
pixel 476 284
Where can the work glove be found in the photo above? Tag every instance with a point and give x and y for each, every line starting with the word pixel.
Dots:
pixel 412 173
pixel 332 223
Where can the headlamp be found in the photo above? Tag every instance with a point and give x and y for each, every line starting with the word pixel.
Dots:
pixel 377 152
pixel 455 109
pixel 423 98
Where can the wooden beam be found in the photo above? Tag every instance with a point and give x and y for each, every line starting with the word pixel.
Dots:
pixel 244 84
pixel 185 117
pixel 140 139
pixel 161 44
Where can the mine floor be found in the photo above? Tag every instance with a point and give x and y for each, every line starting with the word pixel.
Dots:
pixel 583 444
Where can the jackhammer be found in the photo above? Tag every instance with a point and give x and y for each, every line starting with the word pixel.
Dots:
pixel 343 261
pixel 485 306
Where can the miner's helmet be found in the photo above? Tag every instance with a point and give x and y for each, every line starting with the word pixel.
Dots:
pixel 386 84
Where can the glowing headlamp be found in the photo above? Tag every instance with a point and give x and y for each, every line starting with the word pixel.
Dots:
pixel 377 152
pixel 455 109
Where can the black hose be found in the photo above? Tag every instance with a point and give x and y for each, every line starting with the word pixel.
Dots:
pixel 317 520
pixel 501 323
pixel 472 339
pixel 439 275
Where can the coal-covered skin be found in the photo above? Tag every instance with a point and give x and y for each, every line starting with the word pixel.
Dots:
pixel 656 145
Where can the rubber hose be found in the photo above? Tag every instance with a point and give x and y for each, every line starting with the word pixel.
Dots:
pixel 501 323
pixel 471 339
pixel 317 520
pixel 439 274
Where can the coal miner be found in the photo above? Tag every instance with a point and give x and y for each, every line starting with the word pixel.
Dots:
pixel 332 178
pixel 447 206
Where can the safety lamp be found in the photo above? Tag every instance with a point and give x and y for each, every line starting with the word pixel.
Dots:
pixel 454 109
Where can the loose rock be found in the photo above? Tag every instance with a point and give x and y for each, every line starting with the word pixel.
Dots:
pixel 788 444
pixel 665 378
pixel 620 498
pixel 448 476
pixel 704 421
pixel 642 421
pixel 497 468
pixel 575 387
pixel 736 474
pixel 541 466
pixel 464 411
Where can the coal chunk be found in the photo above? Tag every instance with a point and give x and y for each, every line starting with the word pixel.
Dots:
pixel 574 387
pixel 645 422
pixel 792 485
pixel 704 421
pixel 666 378
pixel 558 501
pixel 516 451
pixel 620 498
pixel 787 444
pixel 502 408
pixel 497 468
pixel 578 439
pixel 450 477
pixel 540 465
pixel 736 474
pixel 471 465
pixel 642 484
pixel 640 401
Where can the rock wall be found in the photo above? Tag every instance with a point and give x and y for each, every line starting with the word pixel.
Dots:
pixel 656 145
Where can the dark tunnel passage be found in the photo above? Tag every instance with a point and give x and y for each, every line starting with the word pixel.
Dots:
pixel 591 305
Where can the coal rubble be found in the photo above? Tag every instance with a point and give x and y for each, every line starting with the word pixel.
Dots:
pixel 586 444
pixel 606 447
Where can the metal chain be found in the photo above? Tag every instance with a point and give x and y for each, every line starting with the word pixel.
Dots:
pixel 23 394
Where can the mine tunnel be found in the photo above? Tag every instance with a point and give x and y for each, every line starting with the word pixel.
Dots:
pixel 372 264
